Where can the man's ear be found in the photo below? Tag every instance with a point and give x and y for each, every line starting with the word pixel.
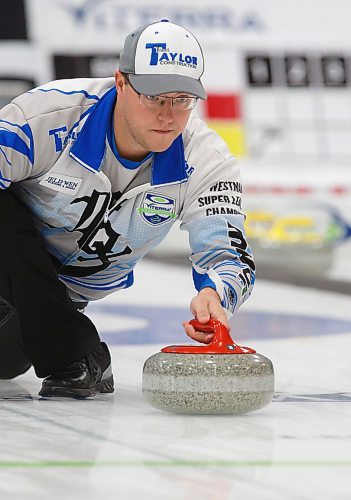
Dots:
pixel 120 81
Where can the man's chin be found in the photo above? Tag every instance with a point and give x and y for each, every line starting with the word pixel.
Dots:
pixel 161 147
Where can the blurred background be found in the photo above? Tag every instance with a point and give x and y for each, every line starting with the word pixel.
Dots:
pixel 278 77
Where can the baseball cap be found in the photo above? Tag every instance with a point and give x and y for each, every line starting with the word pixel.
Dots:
pixel 163 57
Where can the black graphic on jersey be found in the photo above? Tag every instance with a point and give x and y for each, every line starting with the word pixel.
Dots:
pixel 98 237
pixel 239 243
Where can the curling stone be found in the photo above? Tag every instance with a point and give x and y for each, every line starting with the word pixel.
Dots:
pixel 220 378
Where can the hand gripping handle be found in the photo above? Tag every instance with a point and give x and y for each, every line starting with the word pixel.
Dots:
pixel 222 342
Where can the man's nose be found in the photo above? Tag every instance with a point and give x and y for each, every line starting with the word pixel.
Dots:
pixel 166 111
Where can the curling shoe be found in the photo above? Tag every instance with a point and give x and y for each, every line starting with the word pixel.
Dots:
pixel 83 378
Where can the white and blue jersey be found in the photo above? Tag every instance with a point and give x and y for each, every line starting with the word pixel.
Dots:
pixel 100 214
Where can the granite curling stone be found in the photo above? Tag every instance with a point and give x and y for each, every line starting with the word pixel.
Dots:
pixel 220 378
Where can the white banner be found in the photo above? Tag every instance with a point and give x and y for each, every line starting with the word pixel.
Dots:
pixel 94 25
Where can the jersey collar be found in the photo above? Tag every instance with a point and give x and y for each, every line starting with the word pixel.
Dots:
pixel 89 149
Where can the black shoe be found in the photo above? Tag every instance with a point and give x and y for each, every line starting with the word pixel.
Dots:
pixel 83 378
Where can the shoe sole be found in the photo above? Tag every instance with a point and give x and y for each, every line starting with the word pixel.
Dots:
pixel 104 387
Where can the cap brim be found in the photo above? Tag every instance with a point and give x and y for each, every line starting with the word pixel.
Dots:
pixel 164 84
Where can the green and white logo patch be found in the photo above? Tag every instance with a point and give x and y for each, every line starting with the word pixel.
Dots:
pixel 157 209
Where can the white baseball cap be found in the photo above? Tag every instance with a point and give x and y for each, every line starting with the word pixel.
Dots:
pixel 163 57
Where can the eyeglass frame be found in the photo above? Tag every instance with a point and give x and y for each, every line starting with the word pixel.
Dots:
pixel 160 105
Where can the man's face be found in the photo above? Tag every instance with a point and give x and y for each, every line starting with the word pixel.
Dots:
pixel 150 129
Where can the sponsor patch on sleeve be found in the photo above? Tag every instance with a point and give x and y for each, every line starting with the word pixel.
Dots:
pixel 62 183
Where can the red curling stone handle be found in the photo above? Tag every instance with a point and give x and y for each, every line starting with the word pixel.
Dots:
pixel 222 342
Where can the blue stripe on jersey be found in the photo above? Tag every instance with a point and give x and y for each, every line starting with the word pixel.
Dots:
pixel 3 179
pixel 12 140
pixel 128 281
pixel 84 92
pixel 202 280
pixel 6 159
pixel 89 148
pixel 75 125
pixel 214 254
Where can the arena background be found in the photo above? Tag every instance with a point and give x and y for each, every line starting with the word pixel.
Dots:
pixel 278 78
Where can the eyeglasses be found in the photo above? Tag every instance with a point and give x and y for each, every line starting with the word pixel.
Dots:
pixel 180 103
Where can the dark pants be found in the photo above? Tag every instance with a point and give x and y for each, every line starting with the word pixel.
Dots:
pixel 39 324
